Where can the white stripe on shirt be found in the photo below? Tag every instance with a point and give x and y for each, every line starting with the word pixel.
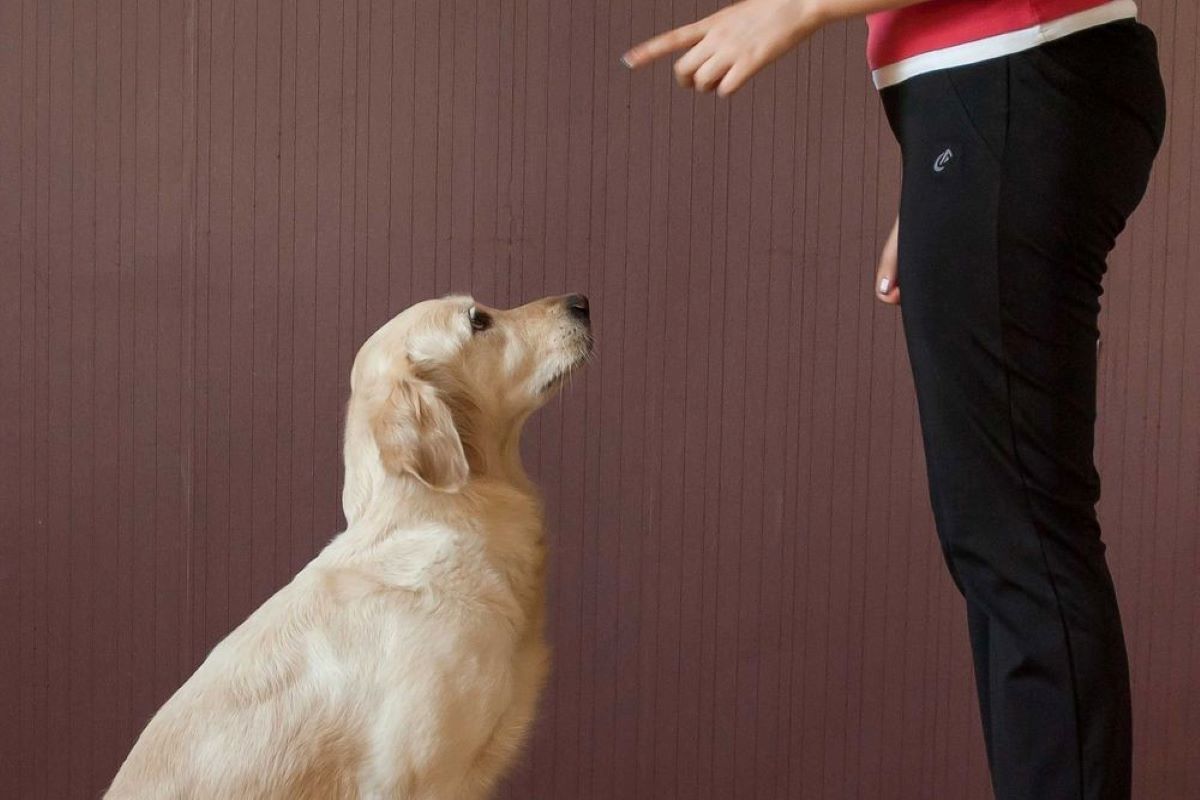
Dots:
pixel 1004 44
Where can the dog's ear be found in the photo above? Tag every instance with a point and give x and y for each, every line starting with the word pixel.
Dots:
pixel 415 432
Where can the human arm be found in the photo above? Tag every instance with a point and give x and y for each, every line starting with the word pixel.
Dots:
pixel 727 48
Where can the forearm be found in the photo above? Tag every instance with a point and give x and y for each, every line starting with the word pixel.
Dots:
pixel 833 10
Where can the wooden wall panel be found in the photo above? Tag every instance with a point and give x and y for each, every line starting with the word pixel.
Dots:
pixel 206 205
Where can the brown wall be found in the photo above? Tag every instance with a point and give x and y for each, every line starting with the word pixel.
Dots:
pixel 206 205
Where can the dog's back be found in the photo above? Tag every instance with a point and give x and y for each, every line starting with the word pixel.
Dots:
pixel 257 719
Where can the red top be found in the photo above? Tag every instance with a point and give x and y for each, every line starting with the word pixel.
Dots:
pixel 938 24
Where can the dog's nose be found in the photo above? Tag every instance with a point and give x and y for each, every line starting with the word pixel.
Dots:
pixel 577 305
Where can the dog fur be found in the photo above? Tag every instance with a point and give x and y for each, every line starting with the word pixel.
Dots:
pixel 406 659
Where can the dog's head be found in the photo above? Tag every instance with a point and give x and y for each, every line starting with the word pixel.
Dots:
pixel 449 382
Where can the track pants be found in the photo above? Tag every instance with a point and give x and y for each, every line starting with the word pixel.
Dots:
pixel 1019 173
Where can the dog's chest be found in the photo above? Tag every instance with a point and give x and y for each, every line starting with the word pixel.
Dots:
pixel 461 703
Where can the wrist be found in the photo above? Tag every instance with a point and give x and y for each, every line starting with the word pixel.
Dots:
pixel 809 15
pixel 820 12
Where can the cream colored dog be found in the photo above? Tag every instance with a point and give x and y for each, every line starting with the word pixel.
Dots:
pixel 406 659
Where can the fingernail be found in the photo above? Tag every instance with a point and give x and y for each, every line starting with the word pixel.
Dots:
pixel 625 60
pixel 884 284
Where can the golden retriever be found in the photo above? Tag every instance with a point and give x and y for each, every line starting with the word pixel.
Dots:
pixel 406 659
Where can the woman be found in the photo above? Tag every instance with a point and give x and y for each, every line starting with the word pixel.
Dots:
pixel 1028 129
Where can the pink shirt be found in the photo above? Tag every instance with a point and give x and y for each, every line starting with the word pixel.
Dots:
pixel 944 33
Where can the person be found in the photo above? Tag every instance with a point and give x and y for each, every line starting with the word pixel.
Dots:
pixel 1027 131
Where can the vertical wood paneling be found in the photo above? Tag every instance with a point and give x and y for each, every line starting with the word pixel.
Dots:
pixel 206 205
pixel 12 387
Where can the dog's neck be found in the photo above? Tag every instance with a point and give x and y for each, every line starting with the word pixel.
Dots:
pixel 495 456
pixel 372 493
pixel 498 502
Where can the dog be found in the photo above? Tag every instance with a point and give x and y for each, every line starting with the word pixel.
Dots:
pixel 406 659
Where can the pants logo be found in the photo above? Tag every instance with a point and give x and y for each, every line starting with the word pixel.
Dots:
pixel 939 165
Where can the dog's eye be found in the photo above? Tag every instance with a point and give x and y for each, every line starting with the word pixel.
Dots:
pixel 480 320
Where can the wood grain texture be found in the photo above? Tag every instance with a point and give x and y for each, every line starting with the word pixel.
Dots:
pixel 206 205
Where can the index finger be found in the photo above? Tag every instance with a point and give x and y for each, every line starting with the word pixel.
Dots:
pixel 663 44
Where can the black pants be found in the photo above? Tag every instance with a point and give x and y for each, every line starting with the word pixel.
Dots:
pixel 1019 173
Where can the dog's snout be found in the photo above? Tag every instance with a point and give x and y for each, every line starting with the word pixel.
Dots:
pixel 577 306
